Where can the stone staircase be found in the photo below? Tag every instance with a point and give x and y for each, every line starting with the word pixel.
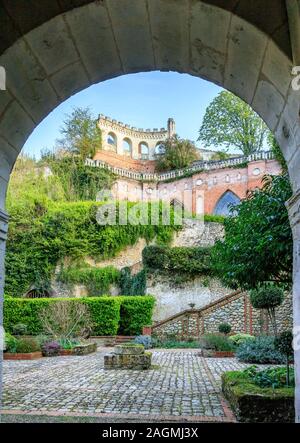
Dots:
pixel 235 309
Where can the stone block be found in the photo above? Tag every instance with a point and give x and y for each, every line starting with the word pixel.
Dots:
pixel 269 102
pixel 246 50
pixel 49 40
pixel 132 30
pixel 92 24
pixel 128 349
pixel 85 349
pixel 170 32
pixel 119 360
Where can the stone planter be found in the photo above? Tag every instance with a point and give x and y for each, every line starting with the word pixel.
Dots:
pixel 252 404
pixel 85 349
pixel 19 356
pixel 128 357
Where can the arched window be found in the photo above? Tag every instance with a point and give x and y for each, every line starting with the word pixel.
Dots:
pixel 127 147
pixel 226 203
pixel 144 151
pixel 112 141
pixel 159 149
pixel 38 293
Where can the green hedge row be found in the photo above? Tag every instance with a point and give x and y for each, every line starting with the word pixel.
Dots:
pixel 111 315
pixel 179 260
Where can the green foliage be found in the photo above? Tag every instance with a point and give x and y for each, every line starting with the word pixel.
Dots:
pixel 108 314
pixel 230 122
pixel 258 245
pixel 27 345
pixel 284 343
pixel 178 260
pixel 266 297
pixel 275 148
pixel 104 312
pixel 136 312
pixel 10 343
pixel 132 284
pixel 81 134
pixel 224 328
pixel 37 244
pixel 269 378
pixel 238 339
pixel 78 181
pixel 19 329
pixel 68 344
pixel 176 153
pixel 214 218
pixel 216 342
pixel 96 280
pixel 261 350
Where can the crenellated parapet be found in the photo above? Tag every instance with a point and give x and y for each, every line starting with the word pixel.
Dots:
pixel 130 141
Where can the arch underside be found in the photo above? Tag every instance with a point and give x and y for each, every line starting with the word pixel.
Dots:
pixel 100 40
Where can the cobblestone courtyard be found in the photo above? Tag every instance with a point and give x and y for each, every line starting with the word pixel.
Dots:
pixel 181 385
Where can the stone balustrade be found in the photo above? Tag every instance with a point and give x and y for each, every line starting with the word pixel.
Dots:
pixel 198 166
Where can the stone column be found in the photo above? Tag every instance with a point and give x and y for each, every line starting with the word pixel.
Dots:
pixel 294 213
pixel 3 234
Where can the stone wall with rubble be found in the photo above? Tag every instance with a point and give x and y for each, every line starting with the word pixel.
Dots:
pixel 234 309
pixel 174 296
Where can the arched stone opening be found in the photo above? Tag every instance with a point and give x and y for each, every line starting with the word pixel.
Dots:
pixel 127 147
pixel 226 203
pixel 62 50
pixel 111 142
pixel 159 149
pixel 144 151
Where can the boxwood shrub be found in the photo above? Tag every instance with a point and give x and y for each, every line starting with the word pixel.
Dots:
pixel 111 315
pixel 136 312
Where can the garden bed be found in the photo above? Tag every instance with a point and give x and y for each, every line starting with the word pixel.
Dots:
pixel 253 404
pixel 22 356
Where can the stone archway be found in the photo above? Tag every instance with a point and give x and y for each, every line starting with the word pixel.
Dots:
pixel 53 50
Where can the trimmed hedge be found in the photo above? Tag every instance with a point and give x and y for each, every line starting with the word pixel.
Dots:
pixel 136 312
pixel 182 260
pixel 109 314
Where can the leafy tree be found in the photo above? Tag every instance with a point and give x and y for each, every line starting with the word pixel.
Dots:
pixel 230 122
pixel 284 344
pixel 81 134
pixel 267 297
pixel 177 153
pixel 258 245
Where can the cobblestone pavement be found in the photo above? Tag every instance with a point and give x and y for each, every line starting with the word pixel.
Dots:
pixel 181 384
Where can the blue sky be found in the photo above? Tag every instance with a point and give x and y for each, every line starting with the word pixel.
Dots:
pixel 144 100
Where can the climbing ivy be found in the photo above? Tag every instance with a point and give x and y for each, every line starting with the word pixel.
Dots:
pixel 40 237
